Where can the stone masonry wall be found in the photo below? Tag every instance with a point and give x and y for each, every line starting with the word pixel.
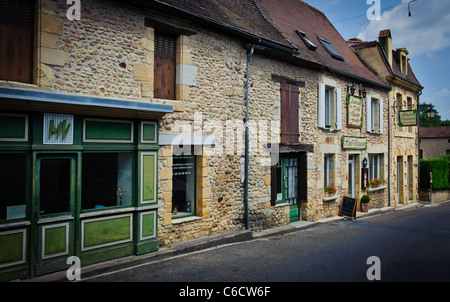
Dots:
pixel 109 53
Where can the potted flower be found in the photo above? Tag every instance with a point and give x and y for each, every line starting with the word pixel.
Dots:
pixel 365 203
pixel 376 182
pixel 330 190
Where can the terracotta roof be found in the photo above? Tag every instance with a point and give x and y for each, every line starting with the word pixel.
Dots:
pixel 242 15
pixel 428 132
pixel 292 15
pixel 277 22
pixel 395 69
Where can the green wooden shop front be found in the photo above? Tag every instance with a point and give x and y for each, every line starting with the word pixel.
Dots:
pixel 74 185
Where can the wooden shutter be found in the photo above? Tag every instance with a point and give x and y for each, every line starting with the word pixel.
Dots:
pixel 321 109
pixel 164 65
pixel 369 114
pixel 289 113
pixel 381 115
pixel 16 40
pixel 338 109
pixel 293 111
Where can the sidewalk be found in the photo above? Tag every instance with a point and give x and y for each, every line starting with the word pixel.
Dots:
pixel 205 243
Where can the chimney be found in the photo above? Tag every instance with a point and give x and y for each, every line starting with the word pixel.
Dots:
pixel 385 40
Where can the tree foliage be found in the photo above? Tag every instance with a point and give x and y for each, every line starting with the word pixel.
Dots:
pixel 426 121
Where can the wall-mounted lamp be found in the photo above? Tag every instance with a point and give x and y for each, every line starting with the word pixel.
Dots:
pixel 431 113
pixel 351 89
pixel 362 91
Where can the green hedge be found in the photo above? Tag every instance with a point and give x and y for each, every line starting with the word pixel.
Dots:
pixel 440 170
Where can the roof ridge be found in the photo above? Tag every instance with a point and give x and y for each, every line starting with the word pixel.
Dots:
pixel 273 25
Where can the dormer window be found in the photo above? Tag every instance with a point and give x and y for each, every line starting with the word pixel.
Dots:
pixel 403 61
pixel 330 49
pixel 305 40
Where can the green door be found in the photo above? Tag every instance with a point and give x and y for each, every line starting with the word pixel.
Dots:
pixel 291 186
pixel 286 181
pixel 54 209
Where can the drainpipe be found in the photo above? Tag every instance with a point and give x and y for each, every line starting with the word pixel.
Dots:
pixel 250 48
pixel 389 149
pixel 418 146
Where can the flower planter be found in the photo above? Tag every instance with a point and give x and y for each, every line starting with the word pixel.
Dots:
pixel 364 207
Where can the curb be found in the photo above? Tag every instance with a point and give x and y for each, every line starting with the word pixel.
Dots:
pixel 205 243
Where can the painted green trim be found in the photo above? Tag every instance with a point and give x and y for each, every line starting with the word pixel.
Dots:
pixel 55 240
pixel 148 183
pixel 149 132
pixel 147 227
pixel 13 127
pixel 12 248
pixel 106 231
pixel 107 131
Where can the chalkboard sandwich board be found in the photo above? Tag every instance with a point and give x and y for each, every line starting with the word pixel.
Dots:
pixel 348 207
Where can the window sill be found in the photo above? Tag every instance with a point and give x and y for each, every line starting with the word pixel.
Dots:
pixel 376 189
pixel 185 219
pixel 330 198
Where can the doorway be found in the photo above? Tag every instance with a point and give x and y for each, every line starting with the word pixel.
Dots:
pixel 351 176
pixel 287 184
pixel 55 206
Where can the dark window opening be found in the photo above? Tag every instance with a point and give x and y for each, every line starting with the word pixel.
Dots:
pixel 106 180
pixel 54 189
pixel 13 184
pixel 184 179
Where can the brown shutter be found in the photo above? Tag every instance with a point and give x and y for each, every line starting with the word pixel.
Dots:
pixel 289 113
pixel 284 131
pixel 293 112
pixel 164 65
pixel 16 40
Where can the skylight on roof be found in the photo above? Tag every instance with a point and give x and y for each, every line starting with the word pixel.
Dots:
pixel 330 49
pixel 305 40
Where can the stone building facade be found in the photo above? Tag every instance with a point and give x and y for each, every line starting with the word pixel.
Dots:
pixel 392 65
pixel 317 117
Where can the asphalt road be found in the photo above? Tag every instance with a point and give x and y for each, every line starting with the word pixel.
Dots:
pixel 411 245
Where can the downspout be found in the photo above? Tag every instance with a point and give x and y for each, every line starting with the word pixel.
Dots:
pixel 418 145
pixel 251 49
pixel 389 151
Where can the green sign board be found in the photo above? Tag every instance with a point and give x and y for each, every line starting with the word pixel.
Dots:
pixel 355 143
pixel 354 111
pixel 407 118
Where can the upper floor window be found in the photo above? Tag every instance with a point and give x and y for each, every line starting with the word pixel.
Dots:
pixel 330 107
pixel 164 66
pixel 16 40
pixel 374 108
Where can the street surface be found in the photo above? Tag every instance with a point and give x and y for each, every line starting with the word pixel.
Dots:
pixel 411 245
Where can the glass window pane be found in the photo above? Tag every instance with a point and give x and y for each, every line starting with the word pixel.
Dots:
pixel 183 197
pixel 12 185
pixel 54 186
pixel 106 180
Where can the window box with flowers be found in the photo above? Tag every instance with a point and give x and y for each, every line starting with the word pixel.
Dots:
pixel 376 184
pixel 330 193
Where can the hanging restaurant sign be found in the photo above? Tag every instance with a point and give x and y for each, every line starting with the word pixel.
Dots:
pixel 355 143
pixel 354 111
pixel 407 118
pixel 57 129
